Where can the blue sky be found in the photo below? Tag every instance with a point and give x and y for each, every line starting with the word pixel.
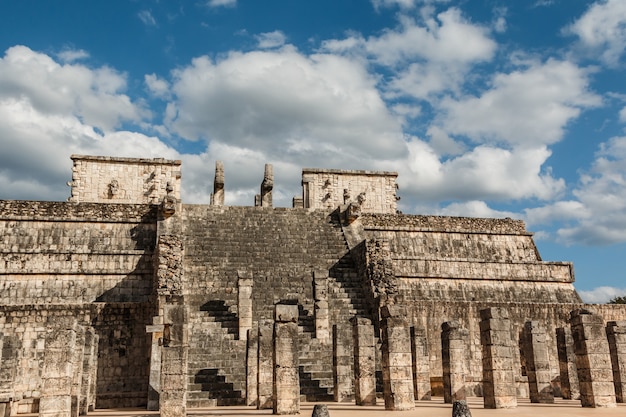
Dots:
pixel 486 108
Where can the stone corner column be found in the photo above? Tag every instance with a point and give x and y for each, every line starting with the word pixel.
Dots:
pixel 535 348
pixel 498 363
pixel 58 372
pixel 322 313
pixel 252 367
pixel 154 381
pixel 265 365
pixel 364 361
pixel 286 386
pixel 454 343
pixel 396 360
pixel 343 376
pixel 616 336
pixel 174 357
pixel 593 359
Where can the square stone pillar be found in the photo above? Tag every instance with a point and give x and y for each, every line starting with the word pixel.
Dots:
pixel 570 389
pixel 322 313
pixel 616 336
pixel 421 364
pixel 174 360
pixel 266 365
pixel 454 347
pixel 154 381
pixel 90 371
pixel 286 391
pixel 498 364
pixel 593 359
pixel 343 376
pixel 245 283
pixel 58 372
pixel 8 367
pixel 535 348
pixel 252 367
pixel 77 375
pixel 364 361
pixel 396 360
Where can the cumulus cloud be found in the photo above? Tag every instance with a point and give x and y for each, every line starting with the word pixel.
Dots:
pixel 475 209
pixel 320 109
pixel 158 87
pixel 94 95
pixel 71 55
pixel 601 193
pixel 527 107
pixel 601 295
pixel 602 29
pixel 270 40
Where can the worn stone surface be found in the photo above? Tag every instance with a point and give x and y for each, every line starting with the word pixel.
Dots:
pixel 568 374
pixel 58 372
pixel 460 409
pixel 616 336
pixel 286 381
pixel 498 365
pixel 320 410
pixel 593 359
pixel 454 339
pixel 534 345
pixel 396 364
pixel 421 364
pixel 266 365
pixel 364 361
pixel 343 363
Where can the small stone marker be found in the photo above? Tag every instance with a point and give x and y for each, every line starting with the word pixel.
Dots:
pixel 460 409
pixel 320 410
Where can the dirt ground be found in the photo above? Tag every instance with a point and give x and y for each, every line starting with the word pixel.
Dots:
pixel 434 408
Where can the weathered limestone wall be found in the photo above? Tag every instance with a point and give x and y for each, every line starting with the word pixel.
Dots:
pixel 75 253
pixel 101 179
pixel 328 188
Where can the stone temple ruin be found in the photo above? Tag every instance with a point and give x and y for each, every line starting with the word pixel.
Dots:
pixel 126 297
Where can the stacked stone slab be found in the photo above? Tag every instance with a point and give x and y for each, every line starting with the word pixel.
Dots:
pixel 396 360
pixel 568 374
pixel 498 366
pixel 616 335
pixel 593 359
pixel 286 387
pixel 421 364
pixel 534 345
pixel 58 372
pixel 364 361
pixel 454 340
pixel 343 374
pixel 266 365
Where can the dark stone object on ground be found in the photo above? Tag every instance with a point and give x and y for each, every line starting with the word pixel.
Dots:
pixel 320 410
pixel 461 409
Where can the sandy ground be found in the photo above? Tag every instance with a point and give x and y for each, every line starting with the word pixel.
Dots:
pixel 434 408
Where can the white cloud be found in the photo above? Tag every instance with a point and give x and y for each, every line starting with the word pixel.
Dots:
pixel 158 87
pixel 475 209
pixel 603 29
pixel 528 107
pixel 222 3
pixel 94 95
pixel 277 102
pixel 622 115
pixel 601 295
pixel 559 211
pixel 270 40
pixel 146 17
pixel 71 55
pixel 601 192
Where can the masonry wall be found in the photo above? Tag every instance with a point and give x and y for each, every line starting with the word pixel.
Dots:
pixel 92 262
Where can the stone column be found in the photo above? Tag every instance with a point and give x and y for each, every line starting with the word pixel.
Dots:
pixel 217 197
pixel 245 283
pixel 154 382
pixel 364 361
pixel 421 364
pixel 454 345
pixel 252 367
pixel 616 335
pixel 5 383
pixel 77 375
pixel 498 364
pixel 396 360
pixel 322 314
pixel 174 359
pixel 343 377
pixel 286 385
pixel 593 359
pixel 266 186
pixel 90 369
pixel 58 372
pixel 535 347
pixel 570 389
pixel 266 365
